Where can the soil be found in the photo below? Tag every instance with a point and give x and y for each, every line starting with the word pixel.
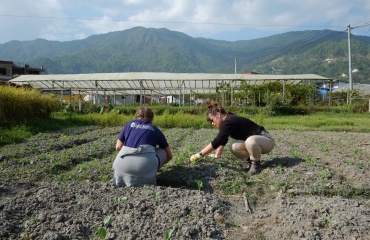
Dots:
pixel 314 185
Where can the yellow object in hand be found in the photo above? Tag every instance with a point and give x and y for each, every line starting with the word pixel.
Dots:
pixel 195 157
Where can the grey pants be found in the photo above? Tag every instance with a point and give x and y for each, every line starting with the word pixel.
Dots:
pixel 138 166
pixel 253 147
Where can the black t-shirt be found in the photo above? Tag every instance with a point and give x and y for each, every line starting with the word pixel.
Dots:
pixel 236 127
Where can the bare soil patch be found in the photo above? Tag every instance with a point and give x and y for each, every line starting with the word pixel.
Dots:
pixel 314 185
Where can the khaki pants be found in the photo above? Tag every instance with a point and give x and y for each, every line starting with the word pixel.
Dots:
pixel 253 147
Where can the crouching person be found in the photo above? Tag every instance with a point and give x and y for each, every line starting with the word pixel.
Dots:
pixel 143 150
pixel 250 139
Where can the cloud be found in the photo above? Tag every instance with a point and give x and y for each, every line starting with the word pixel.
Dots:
pixel 220 19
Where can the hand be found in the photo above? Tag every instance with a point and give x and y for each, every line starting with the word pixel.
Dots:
pixel 212 155
pixel 195 157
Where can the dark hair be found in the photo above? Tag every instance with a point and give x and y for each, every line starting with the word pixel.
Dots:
pixel 144 113
pixel 214 108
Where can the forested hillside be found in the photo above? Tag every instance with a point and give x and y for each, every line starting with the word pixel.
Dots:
pixel 141 49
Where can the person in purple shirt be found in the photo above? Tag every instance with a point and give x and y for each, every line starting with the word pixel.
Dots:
pixel 250 139
pixel 143 150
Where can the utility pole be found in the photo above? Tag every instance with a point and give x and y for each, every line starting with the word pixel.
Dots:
pixel 350 63
pixel 232 86
pixel 235 64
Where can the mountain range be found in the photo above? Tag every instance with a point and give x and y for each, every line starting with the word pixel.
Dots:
pixel 139 49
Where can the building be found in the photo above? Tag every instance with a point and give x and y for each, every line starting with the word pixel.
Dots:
pixel 8 69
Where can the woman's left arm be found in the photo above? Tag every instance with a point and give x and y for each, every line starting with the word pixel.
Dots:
pixel 207 149
pixel 119 145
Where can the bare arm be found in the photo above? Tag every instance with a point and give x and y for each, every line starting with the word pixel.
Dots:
pixel 169 154
pixel 119 145
pixel 207 149
pixel 219 150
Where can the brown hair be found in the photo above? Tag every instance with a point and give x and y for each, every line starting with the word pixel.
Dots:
pixel 214 108
pixel 144 113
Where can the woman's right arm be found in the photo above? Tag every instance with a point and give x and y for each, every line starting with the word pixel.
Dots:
pixel 169 154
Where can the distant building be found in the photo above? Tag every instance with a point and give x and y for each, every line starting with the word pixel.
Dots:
pixel 340 86
pixel 8 69
pixel 251 72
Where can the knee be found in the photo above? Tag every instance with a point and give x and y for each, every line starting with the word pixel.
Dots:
pixel 232 147
pixel 251 141
pixel 236 147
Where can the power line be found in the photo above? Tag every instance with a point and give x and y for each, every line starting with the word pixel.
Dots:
pixel 170 22
pixel 297 43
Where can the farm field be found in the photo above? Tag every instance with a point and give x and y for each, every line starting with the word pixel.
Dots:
pixel 314 185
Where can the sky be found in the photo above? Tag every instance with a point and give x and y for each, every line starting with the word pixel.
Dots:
pixel 230 20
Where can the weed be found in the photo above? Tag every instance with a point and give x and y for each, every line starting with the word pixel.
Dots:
pixel 350 161
pixel 358 151
pixel 325 220
pixel 155 195
pixel 284 186
pixel 324 148
pixel 295 153
pixel 271 154
pixel 325 174
pixel 105 178
pixel 360 166
pixel 230 187
pixel 310 161
pixel 24 234
pixel 117 201
pixel 179 159
pixel 293 175
pixel 280 169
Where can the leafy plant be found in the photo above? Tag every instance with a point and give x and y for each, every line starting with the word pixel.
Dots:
pixel 358 151
pixel 295 152
pixel 280 169
pixel 24 234
pixel 117 201
pixel 168 234
pixel 324 148
pixel 325 174
pixel 102 231
pixel 310 161
pixel 199 184
pixel 325 220
pixel 293 175
pixel 155 195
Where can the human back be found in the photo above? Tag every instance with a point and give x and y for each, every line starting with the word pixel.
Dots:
pixel 142 151
pixel 142 132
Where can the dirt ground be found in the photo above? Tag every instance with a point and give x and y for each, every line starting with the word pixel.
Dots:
pixel 314 185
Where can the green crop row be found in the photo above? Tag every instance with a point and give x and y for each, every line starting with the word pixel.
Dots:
pixel 22 103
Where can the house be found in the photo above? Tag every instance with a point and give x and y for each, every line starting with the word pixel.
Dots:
pixel 8 69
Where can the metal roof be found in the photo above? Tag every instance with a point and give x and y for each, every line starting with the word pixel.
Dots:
pixel 151 82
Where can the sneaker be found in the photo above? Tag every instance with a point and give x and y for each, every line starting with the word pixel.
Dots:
pixel 249 164
pixel 255 168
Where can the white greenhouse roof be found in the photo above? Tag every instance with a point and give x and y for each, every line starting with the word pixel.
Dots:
pixel 151 82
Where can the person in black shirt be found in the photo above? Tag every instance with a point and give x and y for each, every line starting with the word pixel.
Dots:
pixel 250 139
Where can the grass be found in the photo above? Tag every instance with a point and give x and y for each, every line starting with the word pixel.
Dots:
pixel 23 103
pixel 350 122
pixel 15 132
